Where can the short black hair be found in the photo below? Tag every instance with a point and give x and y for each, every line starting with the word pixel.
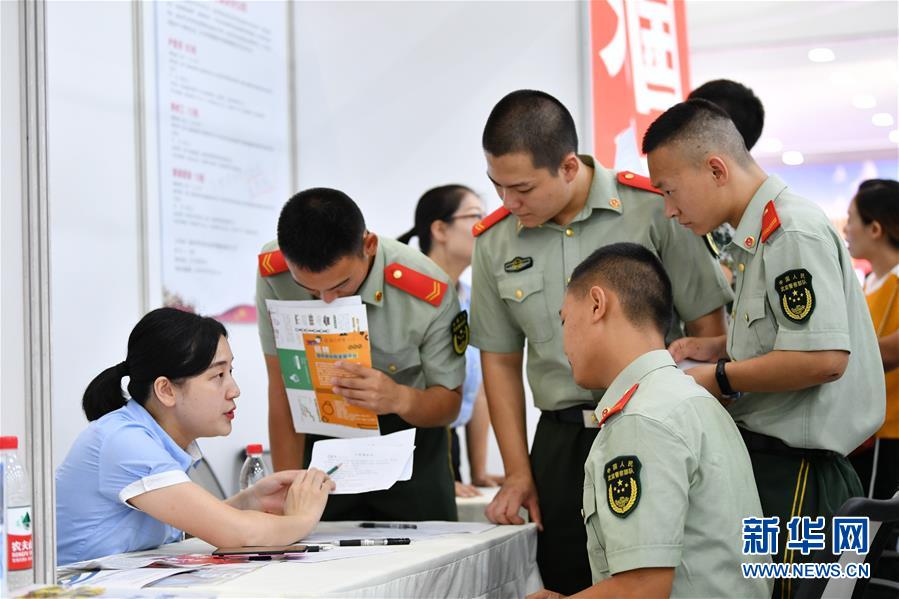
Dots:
pixel 700 127
pixel 533 122
pixel 318 227
pixel 636 275
pixel 739 102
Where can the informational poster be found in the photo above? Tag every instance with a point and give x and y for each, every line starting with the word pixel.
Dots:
pixel 639 69
pixel 218 148
pixel 311 337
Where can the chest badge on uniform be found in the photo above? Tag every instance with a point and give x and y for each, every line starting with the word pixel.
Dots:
pixel 518 264
pixel 460 332
pixel 797 297
pixel 623 484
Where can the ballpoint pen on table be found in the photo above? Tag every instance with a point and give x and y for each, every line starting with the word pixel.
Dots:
pixel 373 542
pixel 387 525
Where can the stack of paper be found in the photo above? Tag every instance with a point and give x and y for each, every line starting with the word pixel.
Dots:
pixel 367 464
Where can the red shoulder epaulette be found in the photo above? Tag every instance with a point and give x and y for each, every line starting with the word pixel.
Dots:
pixel 770 221
pixel 618 406
pixel 489 220
pixel 271 263
pixel 638 181
pixel 414 283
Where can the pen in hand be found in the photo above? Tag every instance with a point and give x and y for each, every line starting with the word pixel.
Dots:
pixel 387 525
pixel 373 542
pixel 333 470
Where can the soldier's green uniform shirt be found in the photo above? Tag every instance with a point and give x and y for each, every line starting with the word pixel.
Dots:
pixel 412 342
pixel 509 303
pixel 667 484
pixel 797 291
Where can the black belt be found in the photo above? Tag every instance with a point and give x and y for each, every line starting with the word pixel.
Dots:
pixel 572 415
pixel 759 443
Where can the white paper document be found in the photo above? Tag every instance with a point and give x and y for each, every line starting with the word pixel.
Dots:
pixel 336 553
pixel 112 562
pixel 687 364
pixel 208 575
pixel 128 561
pixel 135 578
pixel 366 464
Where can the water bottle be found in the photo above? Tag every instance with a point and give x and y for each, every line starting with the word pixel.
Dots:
pixel 253 467
pixel 17 517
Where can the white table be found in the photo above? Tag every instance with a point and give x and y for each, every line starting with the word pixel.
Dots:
pixel 471 509
pixel 500 562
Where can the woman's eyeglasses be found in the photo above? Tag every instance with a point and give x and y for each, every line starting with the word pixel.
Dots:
pixel 475 215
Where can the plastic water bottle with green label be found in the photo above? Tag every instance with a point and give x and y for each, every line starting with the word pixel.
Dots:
pixel 17 517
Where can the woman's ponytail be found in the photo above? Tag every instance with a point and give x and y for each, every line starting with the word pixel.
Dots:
pixel 407 236
pixel 104 393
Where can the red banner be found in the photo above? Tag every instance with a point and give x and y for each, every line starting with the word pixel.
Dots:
pixel 639 69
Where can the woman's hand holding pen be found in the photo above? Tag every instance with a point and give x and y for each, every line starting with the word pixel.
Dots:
pixel 308 494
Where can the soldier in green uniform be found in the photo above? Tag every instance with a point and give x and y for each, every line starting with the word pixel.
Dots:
pixel 418 340
pixel 799 366
pixel 748 114
pixel 563 206
pixel 668 480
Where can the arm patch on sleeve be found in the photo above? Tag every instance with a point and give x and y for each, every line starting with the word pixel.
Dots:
pixel 623 487
pixel 460 332
pixel 797 297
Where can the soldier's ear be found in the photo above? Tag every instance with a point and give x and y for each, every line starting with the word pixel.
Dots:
pixel 569 167
pixel 600 303
pixel 369 244
pixel 718 167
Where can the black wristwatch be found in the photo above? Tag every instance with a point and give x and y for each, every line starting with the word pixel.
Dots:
pixel 724 384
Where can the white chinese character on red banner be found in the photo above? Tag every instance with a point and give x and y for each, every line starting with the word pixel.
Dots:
pixel 652 35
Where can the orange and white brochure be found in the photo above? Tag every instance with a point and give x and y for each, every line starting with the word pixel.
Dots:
pixel 310 336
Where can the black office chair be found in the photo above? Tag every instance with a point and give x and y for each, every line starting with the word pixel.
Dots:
pixel 884 519
pixel 202 474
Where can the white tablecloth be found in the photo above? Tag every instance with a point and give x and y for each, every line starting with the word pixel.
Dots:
pixel 471 509
pixel 496 563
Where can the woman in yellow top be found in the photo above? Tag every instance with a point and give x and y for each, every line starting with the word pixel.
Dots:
pixel 872 232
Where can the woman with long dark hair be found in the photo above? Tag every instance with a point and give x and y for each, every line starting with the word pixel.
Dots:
pixel 872 232
pixel 444 217
pixel 123 485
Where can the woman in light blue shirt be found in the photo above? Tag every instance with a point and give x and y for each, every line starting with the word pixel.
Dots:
pixel 444 217
pixel 123 485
